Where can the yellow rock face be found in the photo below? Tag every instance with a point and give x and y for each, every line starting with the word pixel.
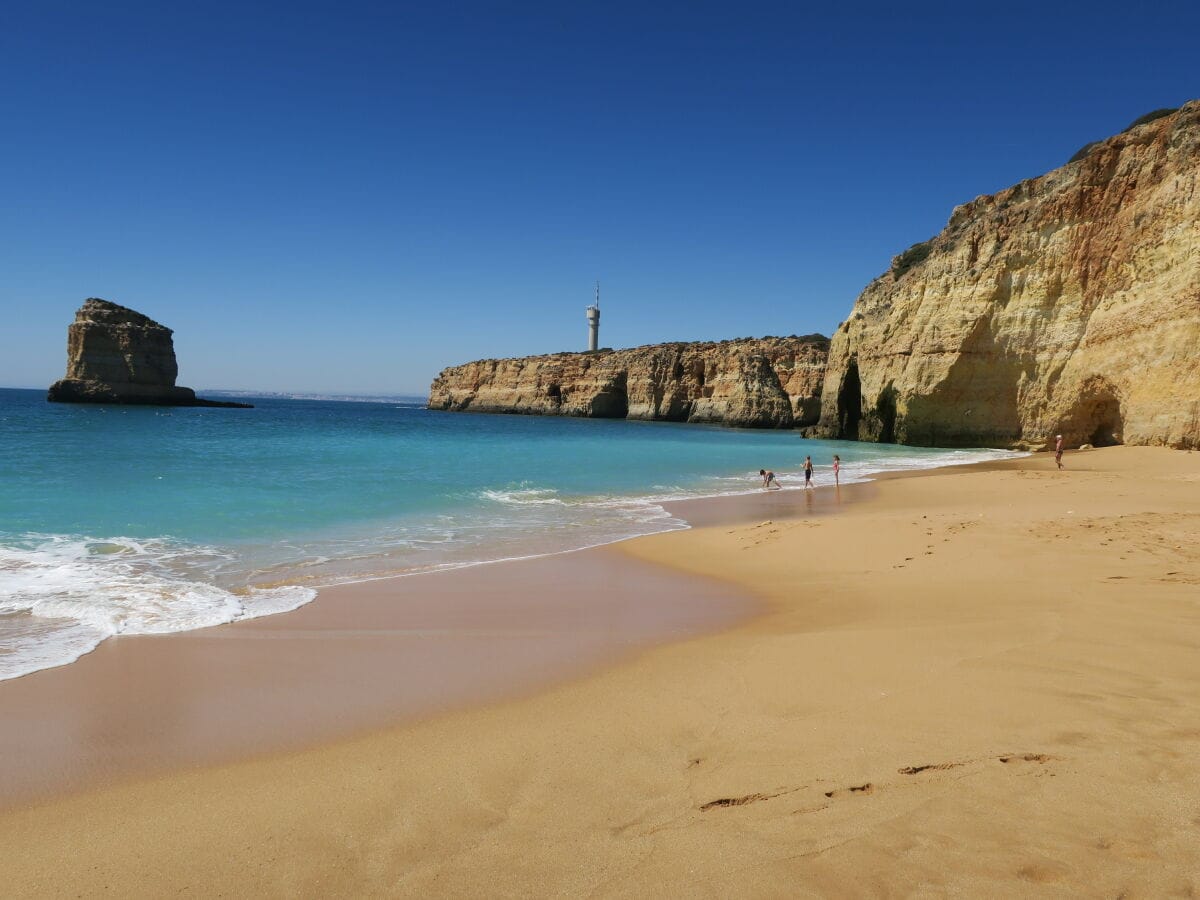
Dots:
pixel 767 383
pixel 1067 304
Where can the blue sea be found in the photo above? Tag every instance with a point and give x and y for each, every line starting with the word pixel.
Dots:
pixel 138 520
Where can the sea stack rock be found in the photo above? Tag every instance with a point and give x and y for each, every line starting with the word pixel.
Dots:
pixel 117 355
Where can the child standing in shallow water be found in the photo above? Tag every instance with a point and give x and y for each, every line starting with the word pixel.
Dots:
pixel 837 467
pixel 808 471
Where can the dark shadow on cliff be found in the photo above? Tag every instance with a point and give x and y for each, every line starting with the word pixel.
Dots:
pixel 849 403
pixel 977 403
pixel 613 401
pixel 1094 416
pixel 885 413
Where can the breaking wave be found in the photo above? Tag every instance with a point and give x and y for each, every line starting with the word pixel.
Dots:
pixel 60 596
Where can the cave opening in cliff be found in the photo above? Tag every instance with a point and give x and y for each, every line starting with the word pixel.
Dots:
pixel 612 402
pixel 1095 417
pixel 1105 423
pixel 885 410
pixel 849 403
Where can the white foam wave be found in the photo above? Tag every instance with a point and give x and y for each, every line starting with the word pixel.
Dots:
pixel 523 497
pixel 852 472
pixel 61 596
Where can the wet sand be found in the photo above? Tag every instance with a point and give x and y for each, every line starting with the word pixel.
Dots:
pixel 981 682
pixel 360 656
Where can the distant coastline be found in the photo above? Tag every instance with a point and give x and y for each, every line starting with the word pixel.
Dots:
pixel 1055 306
pixel 347 397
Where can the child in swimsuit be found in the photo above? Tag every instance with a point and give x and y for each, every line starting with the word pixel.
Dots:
pixel 768 479
pixel 808 471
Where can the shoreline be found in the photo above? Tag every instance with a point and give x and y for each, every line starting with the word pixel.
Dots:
pixel 236 583
pixel 1005 638
pixel 362 656
pixel 200 669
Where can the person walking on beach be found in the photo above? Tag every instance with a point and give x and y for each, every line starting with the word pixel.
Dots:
pixel 837 468
pixel 808 471
pixel 769 479
pixel 1058 451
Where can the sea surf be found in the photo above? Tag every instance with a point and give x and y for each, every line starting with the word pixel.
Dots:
pixel 141 520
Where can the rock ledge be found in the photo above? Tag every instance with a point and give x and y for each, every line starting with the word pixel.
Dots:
pixel 747 383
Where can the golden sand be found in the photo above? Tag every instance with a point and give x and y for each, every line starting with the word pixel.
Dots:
pixel 983 682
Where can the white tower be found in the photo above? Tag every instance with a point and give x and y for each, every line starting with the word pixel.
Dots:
pixel 593 317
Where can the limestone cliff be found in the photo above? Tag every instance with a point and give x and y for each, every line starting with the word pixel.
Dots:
pixel 1068 303
pixel 116 355
pixel 766 383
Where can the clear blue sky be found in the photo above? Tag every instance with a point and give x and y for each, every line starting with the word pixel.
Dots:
pixel 350 196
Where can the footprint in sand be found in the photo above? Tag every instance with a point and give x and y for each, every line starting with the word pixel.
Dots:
pixel 867 788
pixel 929 767
pixel 733 801
pixel 1026 757
pixel 1039 759
pixel 746 799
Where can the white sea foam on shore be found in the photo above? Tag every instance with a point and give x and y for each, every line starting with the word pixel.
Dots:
pixel 61 596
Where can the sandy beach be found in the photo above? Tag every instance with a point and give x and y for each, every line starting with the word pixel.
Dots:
pixel 366 654
pixel 980 681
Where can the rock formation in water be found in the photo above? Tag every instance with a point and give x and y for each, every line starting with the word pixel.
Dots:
pixel 765 383
pixel 1068 303
pixel 116 355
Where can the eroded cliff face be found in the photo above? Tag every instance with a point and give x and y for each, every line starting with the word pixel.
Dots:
pixel 1068 303
pixel 117 355
pixel 766 383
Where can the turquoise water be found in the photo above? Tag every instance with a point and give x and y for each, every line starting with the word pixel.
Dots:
pixel 135 520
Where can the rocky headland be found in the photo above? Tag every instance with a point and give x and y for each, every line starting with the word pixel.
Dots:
pixel 753 383
pixel 1068 303
pixel 117 355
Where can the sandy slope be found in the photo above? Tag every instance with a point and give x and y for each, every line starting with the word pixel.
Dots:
pixel 984 683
